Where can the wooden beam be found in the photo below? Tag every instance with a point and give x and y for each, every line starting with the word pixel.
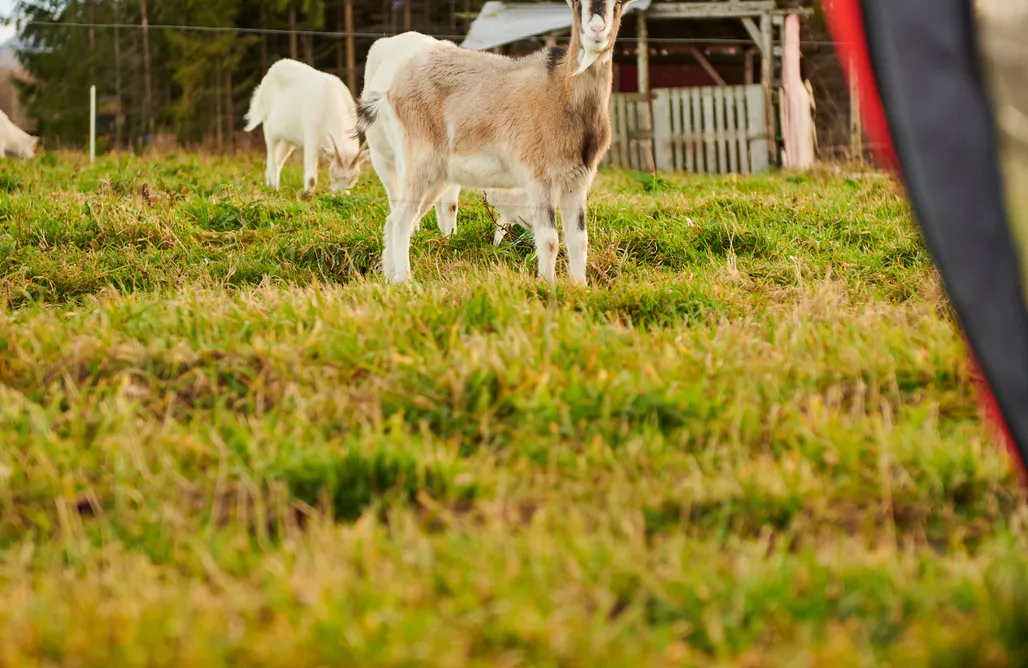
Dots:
pixel 802 11
pixel 351 51
pixel 644 146
pixel 767 81
pixel 705 64
pixel 749 66
pixel 752 29
pixel 642 54
pixel 710 10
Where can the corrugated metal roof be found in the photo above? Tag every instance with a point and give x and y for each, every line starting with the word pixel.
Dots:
pixel 502 23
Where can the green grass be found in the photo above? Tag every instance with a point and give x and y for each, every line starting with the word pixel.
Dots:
pixel 225 441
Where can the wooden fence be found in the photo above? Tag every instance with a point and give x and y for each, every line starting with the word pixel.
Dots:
pixel 631 145
pixel 711 129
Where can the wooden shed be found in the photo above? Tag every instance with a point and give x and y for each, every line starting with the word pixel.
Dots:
pixel 694 81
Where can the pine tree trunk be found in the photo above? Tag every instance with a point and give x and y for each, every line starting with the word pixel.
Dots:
pixel 91 17
pixel 264 39
pixel 293 51
pixel 230 111
pixel 147 75
pixel 351 55
pixel 119 117
pixel 218 136
pixel 340 9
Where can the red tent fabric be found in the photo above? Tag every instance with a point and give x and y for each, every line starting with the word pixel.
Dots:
pixel 846 22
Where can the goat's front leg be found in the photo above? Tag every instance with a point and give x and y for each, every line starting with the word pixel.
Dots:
pixel 282 152
pixel 386 170
pixel 544 225
pixel 310 165
pixel 446 210
pixel 576 238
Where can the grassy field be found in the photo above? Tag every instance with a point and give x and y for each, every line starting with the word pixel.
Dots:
pixel 751 441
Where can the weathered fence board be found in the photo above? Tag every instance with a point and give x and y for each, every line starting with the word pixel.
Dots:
pixel 632 143
pixel 710 129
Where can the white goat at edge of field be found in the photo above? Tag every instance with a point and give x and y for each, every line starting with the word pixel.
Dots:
pixel 539 124
pixel 386 57
pixel 301 107
pixel 14 140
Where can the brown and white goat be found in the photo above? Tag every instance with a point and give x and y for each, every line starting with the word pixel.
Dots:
pixel 539 123
pixel 386 57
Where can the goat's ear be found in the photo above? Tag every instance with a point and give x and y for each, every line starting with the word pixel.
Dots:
pixel 626 4
pixel 571 3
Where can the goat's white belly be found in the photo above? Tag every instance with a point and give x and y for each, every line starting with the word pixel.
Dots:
pixel 286 125
pixel 480 171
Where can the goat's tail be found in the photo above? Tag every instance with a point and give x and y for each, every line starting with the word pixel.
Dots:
pixel 367 113
pixel 257 112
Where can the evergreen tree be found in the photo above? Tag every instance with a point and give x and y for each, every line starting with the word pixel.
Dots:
pixel 193 83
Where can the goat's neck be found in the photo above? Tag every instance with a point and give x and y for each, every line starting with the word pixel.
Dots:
pixel 590 90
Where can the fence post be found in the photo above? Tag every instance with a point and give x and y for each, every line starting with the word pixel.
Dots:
pixel 644 149
pixel 92 123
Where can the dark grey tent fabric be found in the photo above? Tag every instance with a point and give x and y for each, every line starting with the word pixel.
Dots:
pixel 925 60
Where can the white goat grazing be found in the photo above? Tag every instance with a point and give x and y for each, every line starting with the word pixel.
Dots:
pixel 539 124
pixel 302 107
pixel 386 57
pixel 14 140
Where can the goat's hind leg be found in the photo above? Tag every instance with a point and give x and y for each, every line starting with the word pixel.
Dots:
pixel 446 210
pixel 278 152
pixel 386 170
pixel 282 152
pixel 418 198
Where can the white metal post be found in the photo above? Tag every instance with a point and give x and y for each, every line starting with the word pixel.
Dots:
pixel 92 123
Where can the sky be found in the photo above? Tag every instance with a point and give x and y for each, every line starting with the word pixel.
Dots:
pixel 6 32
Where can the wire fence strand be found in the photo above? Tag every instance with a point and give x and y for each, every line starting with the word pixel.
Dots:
pixel 369 35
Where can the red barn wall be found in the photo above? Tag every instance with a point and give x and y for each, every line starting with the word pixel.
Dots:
pixel 675 75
